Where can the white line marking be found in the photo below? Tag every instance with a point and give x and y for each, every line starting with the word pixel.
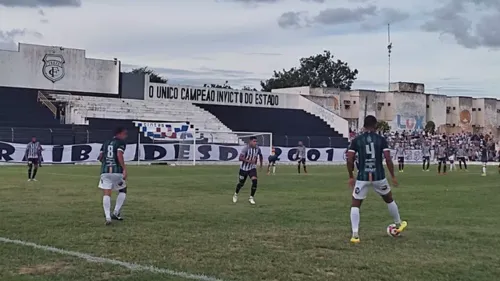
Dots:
pixel 131 266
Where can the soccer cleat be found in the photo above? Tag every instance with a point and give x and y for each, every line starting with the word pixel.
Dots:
pixel 402 226
pixel 483 175
pixel 116 217
pixel 108 222
pixel 251 200
pixel 235 198
pixel 30 180
pixel 34 179
pixel 355 240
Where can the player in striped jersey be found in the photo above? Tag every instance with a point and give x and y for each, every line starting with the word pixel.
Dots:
pixel 426 156
pixel 32 155
pixel 441 157
pixel 372 149
pixel 301 157
pixel 461 154
pixel 272 161
pixel 400 154
pixel 113 174
pixel 248 168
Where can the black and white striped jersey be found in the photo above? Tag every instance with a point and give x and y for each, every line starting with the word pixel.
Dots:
pixel 252 154
pixel 33 150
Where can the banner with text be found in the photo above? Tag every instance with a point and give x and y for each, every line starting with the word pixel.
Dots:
pixel 14 152
pixel 158 91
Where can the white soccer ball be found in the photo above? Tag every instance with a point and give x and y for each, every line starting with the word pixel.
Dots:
pixel 392 230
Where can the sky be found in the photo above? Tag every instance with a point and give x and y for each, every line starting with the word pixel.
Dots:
pixel 452 46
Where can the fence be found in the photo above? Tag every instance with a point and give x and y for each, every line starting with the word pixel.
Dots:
pixel 81 135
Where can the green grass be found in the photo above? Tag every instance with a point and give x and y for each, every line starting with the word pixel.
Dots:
pixel 182 218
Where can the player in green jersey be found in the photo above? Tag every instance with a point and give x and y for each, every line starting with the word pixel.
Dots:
pixel 372 148
pixel 113 174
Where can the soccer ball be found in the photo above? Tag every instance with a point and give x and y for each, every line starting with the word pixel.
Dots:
pixel 392 230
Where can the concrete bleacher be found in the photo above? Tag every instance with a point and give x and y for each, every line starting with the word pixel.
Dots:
pixel 82 108
pixel 287 125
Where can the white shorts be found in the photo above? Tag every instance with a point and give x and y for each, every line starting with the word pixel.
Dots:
pixel 112 181
pixel 361 188
pixel 451 158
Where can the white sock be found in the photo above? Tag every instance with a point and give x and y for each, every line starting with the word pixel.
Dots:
pixel 451 167
pixel 274 169
pixel 120 199
pixel 355 220
pixel 394 211
pixel 106 204
pixel 484 169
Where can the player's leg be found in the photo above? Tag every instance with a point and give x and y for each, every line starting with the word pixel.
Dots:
pixel 298 165
pixel 30 168
pixel 241 182
pixel 428 163
pixel 399 164
pixel 253 176
pixel 358 195
pixel 423 163
pixel 383 189
pixel 444 165
pixel 460 159
pixel 106 185
pixel 274 167
pixel 303 161
pixel 121 186
pixel 484 168
pixel 465 163
pixel 35 169
pixel 440 162
pixel 402 164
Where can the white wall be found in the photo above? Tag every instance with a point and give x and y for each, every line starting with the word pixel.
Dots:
pixel 408 111
pixel 436 109
pixel 57 69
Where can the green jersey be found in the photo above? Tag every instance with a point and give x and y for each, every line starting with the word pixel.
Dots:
pixel 109 150
pixel 370 147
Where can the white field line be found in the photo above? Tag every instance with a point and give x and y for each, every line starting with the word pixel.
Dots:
pixel 131 266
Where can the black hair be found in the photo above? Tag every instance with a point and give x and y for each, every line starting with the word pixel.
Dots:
pixel 119 130
pixel 370 122
pixel 253 138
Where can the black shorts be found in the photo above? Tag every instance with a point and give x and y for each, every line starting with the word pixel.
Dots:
pixel 484 159
pixel 245 174
pixel 426 158
pixel 461 159
pixel 401 159
pixel 302 161
pixel 33 161
pixel 442 159
pixel 272 159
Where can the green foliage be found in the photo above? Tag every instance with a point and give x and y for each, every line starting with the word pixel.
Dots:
pixel 383 126
pixel 153 76
pixel 430 127
pixel 320 70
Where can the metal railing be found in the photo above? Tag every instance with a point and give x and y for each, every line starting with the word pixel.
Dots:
pixel 45 101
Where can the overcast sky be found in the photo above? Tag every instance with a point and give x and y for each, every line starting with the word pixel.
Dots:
pixel 450 45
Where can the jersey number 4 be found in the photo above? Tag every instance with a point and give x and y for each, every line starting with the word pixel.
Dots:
pixel 370 150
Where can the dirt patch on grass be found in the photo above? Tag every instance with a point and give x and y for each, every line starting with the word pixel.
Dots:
pixel 43 269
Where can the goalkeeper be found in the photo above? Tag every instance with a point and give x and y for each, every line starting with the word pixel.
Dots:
pixel 272 161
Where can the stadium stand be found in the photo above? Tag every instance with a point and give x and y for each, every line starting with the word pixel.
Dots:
pixel 287 125
pixel 81 109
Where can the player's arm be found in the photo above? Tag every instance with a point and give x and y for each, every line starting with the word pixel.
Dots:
pixel 100 158
pixel 388 158
pixel 243 154
pixel 351 157
pixel 261 158
pixel 121 159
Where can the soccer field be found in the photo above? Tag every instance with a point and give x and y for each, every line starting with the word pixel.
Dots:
pixel 180 223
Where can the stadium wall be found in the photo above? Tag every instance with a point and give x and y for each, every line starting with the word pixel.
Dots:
pixel 407 111
pixel 58 69
pixel 436 110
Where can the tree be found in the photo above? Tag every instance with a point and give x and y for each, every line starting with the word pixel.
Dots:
pixel 320 70
pixel 153 76
pixel 383 126
pixel 430 127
